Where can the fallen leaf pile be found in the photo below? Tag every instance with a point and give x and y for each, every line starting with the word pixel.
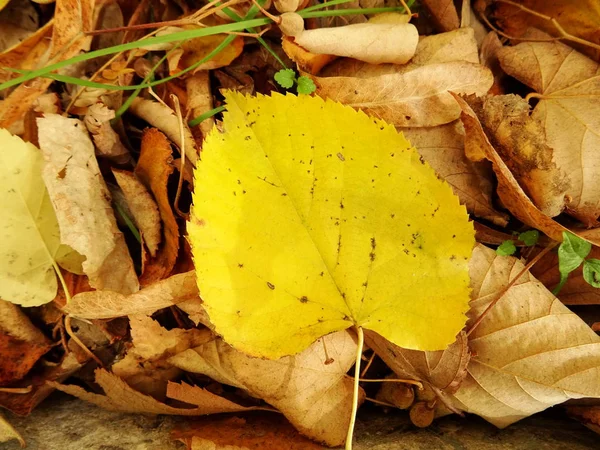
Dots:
pixel 201 217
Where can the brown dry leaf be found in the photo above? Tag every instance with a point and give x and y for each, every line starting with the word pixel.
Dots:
pixel 441 371
pixel 153 169
pixel 487 235
pixel 374 43
pixel 71 19
pixel 314 396
pixel 164 118
pixel 477 147
pixel 443 148
pixel 529 352
pixel 195 311
pixel 576 290
pixel 14 322
pixel 588 415
pixel 18 357
pixel 453 46
pixel 200 98
pixel 234 433
pixel 23 404
pixel 82 204
pixel 420 97
pixel 119 396
pixel 569 111
pixel 107 304
pixel 8 433
pixel 18 20
pixel 108 143
pixel 443 12
pixel 306 61
pixel 580 18
pixel 143 208
pixel 144 367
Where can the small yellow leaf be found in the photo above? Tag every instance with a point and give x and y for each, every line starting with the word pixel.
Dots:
pixel 305 227
pixel 30 235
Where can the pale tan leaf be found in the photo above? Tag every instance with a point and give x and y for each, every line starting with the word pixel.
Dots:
pixel 143 208
pixel 420 97
pixel 443 148
pixel 529 352
pixel 570 113
pixel 108 144
pixel 165 119
pixel 107 304
pixel 453 46
pixel 81 201
pixel 443 12
pixel 14 322
pixel 200 98
pixel 154 167
pixel 314 396
pixel 374 43
pixel 120 397
pixel 8 433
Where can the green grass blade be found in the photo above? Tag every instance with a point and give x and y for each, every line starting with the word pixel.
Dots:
pixel 202 117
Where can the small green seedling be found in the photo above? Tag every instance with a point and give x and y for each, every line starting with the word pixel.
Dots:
pixel 572 252
pixel 287 77
pixel 508 247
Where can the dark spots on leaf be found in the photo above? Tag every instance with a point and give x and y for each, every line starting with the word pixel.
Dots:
pixel 284 194
pixel 240 265
pixel 243 192
pixel 312 147
pixel 271 285
pixel 321 274
pixel 435 211
pixel 341 204
pixel 234 194
pixel 239 313
pixel 239 182
pixel 355 92
pixel 422 160
pixel 341 157
pixel 304 299
pixel 375 167
pixel 382 128
pixel 453 257
pixel 365 284
pixel 392 215
pixel 407 117
pixel 406 251
pixel 453 236
pixel 329 155
pixel 418 192
pixel 346 317
pixel 252 123
pixel 392 154
pixel 62 173
pixel 290 135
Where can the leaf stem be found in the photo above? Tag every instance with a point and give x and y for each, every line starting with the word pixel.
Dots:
pixel 359 350
pixel 63 283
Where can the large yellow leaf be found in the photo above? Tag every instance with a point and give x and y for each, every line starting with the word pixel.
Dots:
pixel 30 235
pixel 310 217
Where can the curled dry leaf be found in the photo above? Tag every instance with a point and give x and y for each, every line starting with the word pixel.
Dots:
pixel 154 168
pixel 416 98
pixel 443 148
pixel 305 60
pixel 82 204
pixel 529 352
pixel 374 43
pixel 107 304
pixel 8 433
pixel 143 208
pixel 119 396
pixel 443 12
pixel 18 357
pixel 569 84
pixel 314 396
pixel 164 118
pixel 235 433
pixel 107 141
pixel 72 18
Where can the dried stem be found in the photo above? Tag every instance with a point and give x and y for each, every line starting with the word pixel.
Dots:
pixel 359 350
pixel 364 372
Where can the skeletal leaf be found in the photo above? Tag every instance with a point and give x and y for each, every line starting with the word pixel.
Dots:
pixel 302 228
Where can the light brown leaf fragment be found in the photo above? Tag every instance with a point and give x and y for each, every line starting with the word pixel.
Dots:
pixel 529 352
pixel 15 323
pixel 107 141
pixel 81 201
pixel 419 98
pixel 143 207
pixel 374 43
pixel 443 12
pixel 8 433
pixel 305 60
pixel 195 311
pixel 314 396
pixel 120 397
pixel 108 305
pixel 569 84
pixel 164 118
pixel 443 148
pixel 200 98
pixel 17 357
pixel 153 169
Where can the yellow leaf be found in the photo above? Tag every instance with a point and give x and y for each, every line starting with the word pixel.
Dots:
pixel 30 235
pixel 305 227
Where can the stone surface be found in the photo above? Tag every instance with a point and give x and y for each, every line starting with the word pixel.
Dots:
pixel 64 423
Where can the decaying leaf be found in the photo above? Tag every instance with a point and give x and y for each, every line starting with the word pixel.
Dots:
pixel 108 144
pixel 529 352
pixel 153 169
pixel 387 43
pixel 253 432
pixel 569 84
pixel 418 98
pixel 443 149
pixel 143 208
pixel 30 232
pixel 107 304
pixel 82 204
pixel 164 118
pixel 315 397
pixel 18 21
pixel 8 433
pixel 443 12
pixel 18 357
pixel 276 197
pixel 120 397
